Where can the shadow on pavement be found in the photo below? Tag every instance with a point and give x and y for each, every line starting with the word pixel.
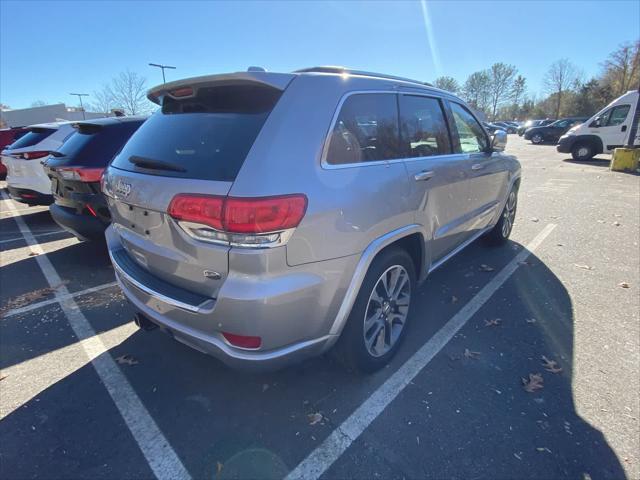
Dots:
pixel 225 424
pixel 594 162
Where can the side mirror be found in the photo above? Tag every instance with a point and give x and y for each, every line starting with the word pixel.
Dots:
pixel 499 141
pixel 597 123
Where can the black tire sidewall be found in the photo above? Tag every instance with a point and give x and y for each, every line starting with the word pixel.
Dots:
pixel 352 339
pixel 495 236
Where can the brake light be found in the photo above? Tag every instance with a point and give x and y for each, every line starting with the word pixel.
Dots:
pixel 87 175
pixel 182 92
pixel 248 221
pixel 242 341
pixel 32 155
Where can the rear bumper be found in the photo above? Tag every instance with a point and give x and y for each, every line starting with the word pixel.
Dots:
pixel 82 226
pixel 293 313
pixel 30 197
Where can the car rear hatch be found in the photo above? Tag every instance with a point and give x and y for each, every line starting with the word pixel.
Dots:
pixel 195 144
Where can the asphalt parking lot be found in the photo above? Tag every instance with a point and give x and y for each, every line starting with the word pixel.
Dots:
pixel 85 394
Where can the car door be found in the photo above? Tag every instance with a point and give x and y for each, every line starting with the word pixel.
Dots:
pixel 486 176
pixel 613 126
pixel 437 174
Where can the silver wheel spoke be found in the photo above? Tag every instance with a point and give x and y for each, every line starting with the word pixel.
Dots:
pixel 387 310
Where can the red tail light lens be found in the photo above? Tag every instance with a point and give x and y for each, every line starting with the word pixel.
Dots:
pixel 242 341
pixel 87 175
pixel 204 209
pixel 240 215
pixel 32 155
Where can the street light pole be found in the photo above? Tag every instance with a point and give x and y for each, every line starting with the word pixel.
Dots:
pixel 80 95
pixel 162 67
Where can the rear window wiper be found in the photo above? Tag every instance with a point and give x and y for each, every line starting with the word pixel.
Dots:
pixel 152 164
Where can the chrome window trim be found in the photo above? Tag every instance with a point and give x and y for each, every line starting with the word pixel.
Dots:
pixel 325 147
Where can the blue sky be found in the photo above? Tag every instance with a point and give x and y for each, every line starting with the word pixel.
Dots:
pixel 48 49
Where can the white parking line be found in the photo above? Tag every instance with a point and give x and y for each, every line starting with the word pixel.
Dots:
pixel 318 461
pixel 35 235
pixel 162 459
pixel 58 298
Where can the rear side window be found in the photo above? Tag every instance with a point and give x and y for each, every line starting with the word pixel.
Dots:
pixel 366 130
pixel 423 127
pixel 470 133
pixel 35 135
pixel 95 144
pixel 203 137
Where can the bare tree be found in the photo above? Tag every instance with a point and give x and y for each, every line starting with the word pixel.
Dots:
pixel 476 90
pixel 449 84
pixel 128 91
pixel 622 68
pixel 500 81
pixel 518 90
pixel 561 76
pixel 103 100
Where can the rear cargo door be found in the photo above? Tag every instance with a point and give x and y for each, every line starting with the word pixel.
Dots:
pixel 194 145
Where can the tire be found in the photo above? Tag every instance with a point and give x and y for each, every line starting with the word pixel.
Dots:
pixel 499 234
pixel 359 346
pixel 537 138
pixel 582 152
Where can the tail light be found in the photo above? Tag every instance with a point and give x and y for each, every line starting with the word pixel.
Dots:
pixel 247 222
pixel 31 155
pixel 87 175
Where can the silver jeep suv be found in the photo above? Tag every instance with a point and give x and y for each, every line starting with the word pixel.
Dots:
pixel 264 217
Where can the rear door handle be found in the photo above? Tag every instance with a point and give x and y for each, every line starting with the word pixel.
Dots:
pixel 477 166
pixel 424 175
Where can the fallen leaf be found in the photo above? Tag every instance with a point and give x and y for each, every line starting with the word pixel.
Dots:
pixel 486 268
pixel 535 220
pixel 533 383
pixel 517 456
pixel 219 467
pixel 3 377
pixel 454 299
pixel 265 387
pixel 623 285
pixel 617 224
pixel 315 418
pixel 530 320
pixel 126 360
pixel 551 365
pixel 494 322
pixel 583 266
pixel 543 449
pixel 469 354
pixel 33 254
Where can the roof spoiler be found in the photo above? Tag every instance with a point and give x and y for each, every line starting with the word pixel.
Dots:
pixel 278 81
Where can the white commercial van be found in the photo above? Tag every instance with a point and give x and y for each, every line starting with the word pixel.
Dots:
pixel 608 129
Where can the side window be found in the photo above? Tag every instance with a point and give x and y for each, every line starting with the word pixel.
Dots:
pixel 618 115
pixel 472 136
pixel 366 130
pixel 423 128
pixel 604 119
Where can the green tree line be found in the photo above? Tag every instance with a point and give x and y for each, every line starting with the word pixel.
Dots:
pixel 500 92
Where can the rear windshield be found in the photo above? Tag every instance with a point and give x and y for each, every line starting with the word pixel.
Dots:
pixel 96 145
pixel 205 137
pixel 31 138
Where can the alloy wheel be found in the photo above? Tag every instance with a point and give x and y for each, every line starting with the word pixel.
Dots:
pixel 509 214
pixel 387 310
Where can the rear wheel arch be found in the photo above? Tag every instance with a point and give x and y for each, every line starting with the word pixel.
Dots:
pixel 414 245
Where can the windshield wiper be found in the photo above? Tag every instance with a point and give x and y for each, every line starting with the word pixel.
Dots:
pixel 152 164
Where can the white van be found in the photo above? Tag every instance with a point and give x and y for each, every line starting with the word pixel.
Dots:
pixel 606 130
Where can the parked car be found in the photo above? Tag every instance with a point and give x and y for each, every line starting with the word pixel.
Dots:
pixel 7 137
pixel 492 127
pixel 533 123
pixel 260 239
pixel 27 181
pixel 75 170
pixel 551 133
pixel 507 127
pixel 606 130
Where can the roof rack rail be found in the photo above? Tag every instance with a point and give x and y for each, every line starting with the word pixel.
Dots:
pixel 344 70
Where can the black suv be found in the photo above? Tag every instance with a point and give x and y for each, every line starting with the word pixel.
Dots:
pixel 75 170
pixel 552 132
